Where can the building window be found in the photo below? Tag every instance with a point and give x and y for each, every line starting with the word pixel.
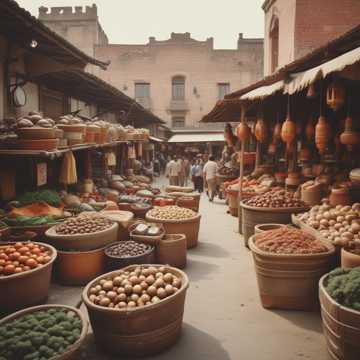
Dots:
pixel 178 121
pixel 274 43
pixel 224 89
pixel 142 90
pixel 178 88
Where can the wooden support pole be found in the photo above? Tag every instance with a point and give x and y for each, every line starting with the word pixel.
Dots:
pixel 241 159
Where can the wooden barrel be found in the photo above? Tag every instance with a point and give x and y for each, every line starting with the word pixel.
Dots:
pixel 189 227
pixel 172 250
pixel 252 216
pixel 290 282
pixel 341 326
pixel 140 331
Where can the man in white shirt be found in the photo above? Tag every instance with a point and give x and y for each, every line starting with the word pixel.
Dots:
pixel 209 173
pixel 173 171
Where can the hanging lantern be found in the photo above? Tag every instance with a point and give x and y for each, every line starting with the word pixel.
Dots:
pixel 260 130
pixel 288 132
pixel 310 129
pixel 349 137
pixel 335 95
pixel 243 131
pixel 311 93
pixel 322 134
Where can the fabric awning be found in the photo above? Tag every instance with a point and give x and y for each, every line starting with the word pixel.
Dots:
pixel 153 138
pixel 192 138
pixel 263 91
pixel 303 79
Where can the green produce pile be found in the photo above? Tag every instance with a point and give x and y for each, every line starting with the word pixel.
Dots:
pixel 40 335
pixel 51 197
pixel 29 221
pixel 343 285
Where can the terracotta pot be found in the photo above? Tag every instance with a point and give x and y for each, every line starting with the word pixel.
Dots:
pixel 322 134
pixel 349 259
pixel 288 132
pixel 349 137
pixel 339 196
pixel 78 267
pixel 260 130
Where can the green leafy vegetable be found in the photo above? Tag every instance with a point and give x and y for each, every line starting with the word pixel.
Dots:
pixel 49 196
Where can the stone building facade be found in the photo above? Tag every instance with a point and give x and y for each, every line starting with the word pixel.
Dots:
pixel 294 28
pixel 178 79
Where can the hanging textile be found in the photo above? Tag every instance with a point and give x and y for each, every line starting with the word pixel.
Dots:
pixel 68 174
pixel 131 152
pixel 140 149
pixel 110 159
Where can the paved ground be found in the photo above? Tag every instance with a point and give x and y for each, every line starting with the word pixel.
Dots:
pixel 223 316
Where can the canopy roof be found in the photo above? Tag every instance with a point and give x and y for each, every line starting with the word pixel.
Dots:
pixel 22 28
pixel 196 137
pixel 91 89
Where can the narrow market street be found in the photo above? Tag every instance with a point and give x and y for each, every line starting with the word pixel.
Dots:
pixel 223 316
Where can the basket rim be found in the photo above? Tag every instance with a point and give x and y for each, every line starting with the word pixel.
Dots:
pixel 256 250
pixel 79 314
pixel 150 249
pixel 184 287
pixel 272 209
pixel 323 291
pixel 193 219
pixel 51 232
pixel 32 271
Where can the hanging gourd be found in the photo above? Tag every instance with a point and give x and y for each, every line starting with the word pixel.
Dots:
pixel 288 132
pixel 243 131
pixel 260 130
pixel 335 95
pixel 310 129
pixel 349 137
pixel 322 134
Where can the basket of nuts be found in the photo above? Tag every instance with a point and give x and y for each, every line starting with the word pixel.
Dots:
pixel 84 232
pixel 137 310
pixel 177 220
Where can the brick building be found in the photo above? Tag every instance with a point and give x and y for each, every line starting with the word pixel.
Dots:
pixel 178 79
pixel 293 28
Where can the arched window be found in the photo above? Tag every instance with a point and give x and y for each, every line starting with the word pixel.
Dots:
pixel 178 88
pixel 274 43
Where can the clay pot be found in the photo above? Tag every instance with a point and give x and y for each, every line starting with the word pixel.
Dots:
pixel 260 130
pixel 335 95
pixel 288 132
pixel 322 134
pixel 339 196
pixel 243 131
pixel 349 260
pixel 349 137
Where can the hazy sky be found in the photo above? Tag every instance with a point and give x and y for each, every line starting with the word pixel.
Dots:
pixel 133 21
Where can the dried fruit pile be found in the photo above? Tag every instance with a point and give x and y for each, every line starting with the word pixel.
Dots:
pixel 145 285
pixel 21 257
pixel 171 212
pixel 289 240
pixel 275 199
pixel 84 225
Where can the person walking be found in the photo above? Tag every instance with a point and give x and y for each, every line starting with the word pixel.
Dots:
pixel 173 171
pixel 197 174
pixel 182 171
pixel 209 172
pixel 187 171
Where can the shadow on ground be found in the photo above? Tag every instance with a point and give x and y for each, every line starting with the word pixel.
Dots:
pixel 210 250
pixel 193 344
pixel 200 270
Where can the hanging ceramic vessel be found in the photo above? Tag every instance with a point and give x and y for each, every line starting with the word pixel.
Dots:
pixel 260 130
pixel 322 134
pixel 349 137
pixel 243 131
pixel 335 95
pixel 310 129
pixel 288 132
